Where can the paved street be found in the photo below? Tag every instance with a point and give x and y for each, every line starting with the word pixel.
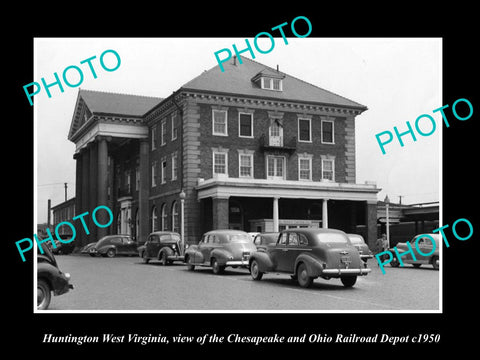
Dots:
pixel 125 283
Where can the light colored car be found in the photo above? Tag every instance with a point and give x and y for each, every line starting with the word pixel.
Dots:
pixel 363 249
pixel 220 248
pixel 420 245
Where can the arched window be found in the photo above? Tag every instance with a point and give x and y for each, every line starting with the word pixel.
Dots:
pixel 164 217
pixel 154 219
pixel 175 222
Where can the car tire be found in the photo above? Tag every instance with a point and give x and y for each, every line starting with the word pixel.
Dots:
pixel 110 253
pixel 348 281
pixel 394 262
pixel 163 258
pixel 145 258
pixel 254 271
pixel 304 280
pixel 216 267
pixel 44 294
pixel 435 264
pixel 190 266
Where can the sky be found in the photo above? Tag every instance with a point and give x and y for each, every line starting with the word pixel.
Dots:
pixel 398 79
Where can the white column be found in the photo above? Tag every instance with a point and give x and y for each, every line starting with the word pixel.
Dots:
pixel 325 213
pixel 275 214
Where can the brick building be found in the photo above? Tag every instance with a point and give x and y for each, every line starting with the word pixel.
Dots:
pixel 250 148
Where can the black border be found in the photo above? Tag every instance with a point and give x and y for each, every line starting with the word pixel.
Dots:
pixel 239 19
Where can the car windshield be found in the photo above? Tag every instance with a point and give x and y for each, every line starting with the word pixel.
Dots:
pixel 332 238
pixel 356 239
pixel 239 238
pixel 175 237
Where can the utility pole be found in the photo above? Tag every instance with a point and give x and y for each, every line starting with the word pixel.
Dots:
pixel 65 191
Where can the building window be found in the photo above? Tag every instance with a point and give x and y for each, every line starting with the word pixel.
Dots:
pixel 305 168
pixel 245 125
pixel 174 127
pixel 275 167
pixel 154 137
pixel 154 174
pixel 154 219
pixel 127 181
pixel 163 130
pixel 327 132
pixel 137 178
pixel 271 84
pixel 220 163
pixel 246 165
pixel 275 133
pixel 174 166
pixel 304 130
pixel 328 169
pixel 164 171
pixel 220 122
pixel 164 217
pixel 175 222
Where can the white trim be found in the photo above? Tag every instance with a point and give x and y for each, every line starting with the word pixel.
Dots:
pixel 309 158
pixel 310 129
pixel 333 132
pixel 213 123
pixel 222 152
pixel 284 174
pixel 250 155
pixel 163 132
pixel 332 160
pixel 251 124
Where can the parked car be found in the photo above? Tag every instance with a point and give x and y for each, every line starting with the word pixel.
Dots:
pixel 363 249
pixel 307 254
pixel 49 278
pixel 61 247
pixel 263 239
pixel 219 249
pixel 162 245
pixel 425 246
pixel 112 245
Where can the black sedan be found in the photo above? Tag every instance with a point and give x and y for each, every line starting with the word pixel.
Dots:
pixel 112 245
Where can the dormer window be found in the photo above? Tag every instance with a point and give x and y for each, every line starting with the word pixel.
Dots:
pixel 271 84
pixel 269 79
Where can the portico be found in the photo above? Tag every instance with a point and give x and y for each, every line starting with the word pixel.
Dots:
pixel 245 203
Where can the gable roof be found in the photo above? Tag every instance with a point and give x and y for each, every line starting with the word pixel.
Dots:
pixel 117 104
pixel 99 102
pixel 237 79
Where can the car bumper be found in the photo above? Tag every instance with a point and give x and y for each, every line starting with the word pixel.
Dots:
pixel 237 263
pixel 176 257
pixel 340 272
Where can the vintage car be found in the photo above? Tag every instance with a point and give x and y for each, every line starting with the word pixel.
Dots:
pixel 49 278
pixel 310 253
pixel 164 246
pixel 219 249
pixel 66 247
pixel 425 246
pixel 363 249
pixel 112 245
pixel 263 239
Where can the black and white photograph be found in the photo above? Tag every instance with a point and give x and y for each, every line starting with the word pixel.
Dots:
pixel 284 181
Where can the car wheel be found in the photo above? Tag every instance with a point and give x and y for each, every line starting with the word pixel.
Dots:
pixel 190 266
pixel 216 267
pixel 304 280
pixel 145 258
pixel 348 281
pixel 254 271
pixel 394 262
pixel 44 295
pixel 163 259
pixel 435 262
pixel 110 253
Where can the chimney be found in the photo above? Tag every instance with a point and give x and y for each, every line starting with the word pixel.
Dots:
pixel 277 68
pixel 49 211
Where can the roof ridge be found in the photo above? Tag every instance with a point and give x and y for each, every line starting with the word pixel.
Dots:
pixel 117 93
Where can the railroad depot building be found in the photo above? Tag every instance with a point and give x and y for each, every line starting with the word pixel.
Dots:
pixel 250 148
